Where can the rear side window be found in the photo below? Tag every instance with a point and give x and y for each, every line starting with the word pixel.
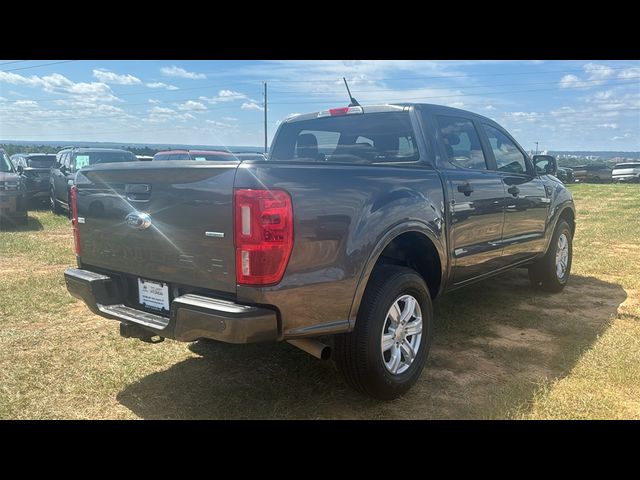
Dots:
pixel 508 157
pixel 42 161
pixel 461 142
pixel 92 158
pixel 359 138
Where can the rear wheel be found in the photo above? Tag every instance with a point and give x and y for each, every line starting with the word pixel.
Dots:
pixel 55 205
pixel 551 272
pixel 385 354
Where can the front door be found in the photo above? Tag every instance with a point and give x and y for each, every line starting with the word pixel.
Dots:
pixel 526 198
pixel 476 198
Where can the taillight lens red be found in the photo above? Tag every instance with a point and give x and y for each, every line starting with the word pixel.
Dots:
pixel 263 235
pixel 74 218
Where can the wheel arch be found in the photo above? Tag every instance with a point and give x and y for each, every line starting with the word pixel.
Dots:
pixel 405 244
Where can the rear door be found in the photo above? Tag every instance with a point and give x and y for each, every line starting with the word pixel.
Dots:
pixel 476 196
pixel 60 179
pixel 163 221
pixel 526 198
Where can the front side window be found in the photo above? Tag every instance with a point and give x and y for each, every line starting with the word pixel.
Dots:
pixel 508 157
pixel 461 142
pixel 5 163
pixel 357 138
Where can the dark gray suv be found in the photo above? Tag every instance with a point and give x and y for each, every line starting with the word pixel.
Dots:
pixel 69 161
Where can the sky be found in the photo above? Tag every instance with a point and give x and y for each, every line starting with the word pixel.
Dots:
pixel 563 105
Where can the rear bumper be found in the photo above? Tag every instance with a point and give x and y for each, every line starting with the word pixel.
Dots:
pixel 191 316
pixel 13 205
pixel 626 178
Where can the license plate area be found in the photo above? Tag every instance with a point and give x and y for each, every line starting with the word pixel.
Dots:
pixel 153 295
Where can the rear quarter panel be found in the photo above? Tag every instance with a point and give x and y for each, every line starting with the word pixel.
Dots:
pixel 343 214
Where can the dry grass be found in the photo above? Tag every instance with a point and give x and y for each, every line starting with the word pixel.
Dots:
pixel 501 350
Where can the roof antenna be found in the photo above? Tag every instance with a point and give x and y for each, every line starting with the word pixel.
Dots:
pixel 354 102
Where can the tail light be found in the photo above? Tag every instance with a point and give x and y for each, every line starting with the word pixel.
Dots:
pixel 263 235
pixel 74 218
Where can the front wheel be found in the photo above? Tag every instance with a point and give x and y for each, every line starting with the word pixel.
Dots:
pixel 385 354
pixel 551 272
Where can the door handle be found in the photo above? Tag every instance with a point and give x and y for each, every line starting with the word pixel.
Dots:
pixel 465 188
pixel 513 191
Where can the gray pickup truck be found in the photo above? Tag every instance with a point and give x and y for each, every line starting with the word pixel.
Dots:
pixel 357 220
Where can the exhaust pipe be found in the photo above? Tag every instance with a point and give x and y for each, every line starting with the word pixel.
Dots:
pixel 313 347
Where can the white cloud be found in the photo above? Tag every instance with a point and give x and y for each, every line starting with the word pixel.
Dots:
pixel 161 85
pixel 251 106
pixel 603 95
pixel 230 119
pixel 57 83
pixel 621 137
pixel 191 106
pixel 110 77
pixel 184 117
pixel 153 100
pixel 608 125
pixel 219 124
pixel 174 71
pixel 161 110
pixel 25 103
pixel 571 81
pixel 489 107
pixel 293 115
pixel 224 96
pixel 597 72
pixel 633 72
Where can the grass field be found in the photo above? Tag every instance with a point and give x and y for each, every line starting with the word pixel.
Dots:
pixel 500 350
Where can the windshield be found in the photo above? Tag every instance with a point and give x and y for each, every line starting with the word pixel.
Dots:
pixel 5 164
pixel 360 138
pixel 41 161
pixel 627 165
pixel 83 159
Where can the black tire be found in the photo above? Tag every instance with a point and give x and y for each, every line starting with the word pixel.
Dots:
pixel 55 205
pixel 358 354
pixel 542 274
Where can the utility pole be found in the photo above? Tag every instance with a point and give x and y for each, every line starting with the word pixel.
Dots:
pixel 536 147
pixel 265 117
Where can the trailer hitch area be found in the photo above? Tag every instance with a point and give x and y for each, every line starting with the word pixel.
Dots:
pixel 128 330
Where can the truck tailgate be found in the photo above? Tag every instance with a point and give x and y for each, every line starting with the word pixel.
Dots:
pixel 168 221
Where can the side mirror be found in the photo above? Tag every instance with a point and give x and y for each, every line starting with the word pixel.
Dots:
pixel 20 169
pixel 545 164
pixel 63 169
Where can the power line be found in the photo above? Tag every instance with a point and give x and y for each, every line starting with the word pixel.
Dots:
pixel 444 77
pixel 14 61
pixel 38 66
pixel 443 96
pixel 329 100
pixel 595 83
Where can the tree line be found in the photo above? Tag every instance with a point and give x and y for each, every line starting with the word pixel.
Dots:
pixel 12 149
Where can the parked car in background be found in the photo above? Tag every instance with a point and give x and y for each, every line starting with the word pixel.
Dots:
pixel 626 172
pixel 596 173
pixel 13 202
pixel 211 155
pixel 69 161
pixel 36 170
pixel 357 220
pixel 565 175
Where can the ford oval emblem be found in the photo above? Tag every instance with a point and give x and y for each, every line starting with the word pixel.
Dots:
pixel 138 220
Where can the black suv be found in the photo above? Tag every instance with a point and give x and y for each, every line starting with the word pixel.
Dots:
pixel 69 161
pixel 36 169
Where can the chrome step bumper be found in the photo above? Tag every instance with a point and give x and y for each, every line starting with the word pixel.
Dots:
pixel 191 316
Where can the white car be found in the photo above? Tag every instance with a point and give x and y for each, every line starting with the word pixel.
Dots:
pixel 626 172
